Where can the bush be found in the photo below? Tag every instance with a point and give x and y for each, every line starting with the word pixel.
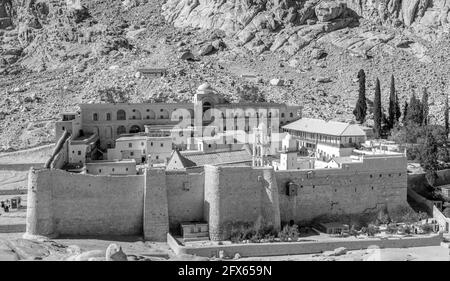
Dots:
pixel 406 214
pixel 391 229
pixel 252 232
pixel 371 230
pixel 289 233
pixel 427 228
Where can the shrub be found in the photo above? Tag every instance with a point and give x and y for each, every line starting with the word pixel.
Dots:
pixel 391 229
pixel 406 214
pixel 252 232
pixel 407 229
pixel 427 228
pixel 372 230
pixel 289 233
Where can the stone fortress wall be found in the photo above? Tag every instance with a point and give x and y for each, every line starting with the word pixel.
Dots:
pixel 61 203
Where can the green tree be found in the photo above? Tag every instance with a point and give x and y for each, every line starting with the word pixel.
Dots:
pixel 446 116
pixel 393 104
pixel 425 106
pixel 428 157
pixel 415 111
pixel 405 113
pixel 360 110
pixel 377 112
pixel 398 112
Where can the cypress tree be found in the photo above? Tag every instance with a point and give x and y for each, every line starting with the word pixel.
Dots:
pixel 415 111
pixel 405 113
pixel 377 112
pixel 446 117
pixel 425 107
pixel 360 110
pixel 398 112
pixel 429 156
pixel 392 105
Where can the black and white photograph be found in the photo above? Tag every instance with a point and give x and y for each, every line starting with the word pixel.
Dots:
pixel 245 132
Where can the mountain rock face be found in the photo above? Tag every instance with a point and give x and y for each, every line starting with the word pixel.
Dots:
pixel 297 23
pixel 55 54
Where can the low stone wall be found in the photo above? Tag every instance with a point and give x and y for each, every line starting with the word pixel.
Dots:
pixel 12 228
pixel 33 155
pixel 301 248
pixel 20 166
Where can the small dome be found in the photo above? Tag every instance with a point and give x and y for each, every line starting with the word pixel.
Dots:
pixel 204 87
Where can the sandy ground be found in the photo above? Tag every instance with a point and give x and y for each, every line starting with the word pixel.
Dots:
pixel 13 179
pixel 57 249
pixel 432 253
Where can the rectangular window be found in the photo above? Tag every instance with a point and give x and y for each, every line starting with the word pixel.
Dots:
pixel 130 145
pixel 132 153
pixel 162 144
pixel 79 152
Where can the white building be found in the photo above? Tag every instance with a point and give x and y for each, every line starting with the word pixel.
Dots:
pixel 327 139
pixel 82 148
pixel 289 156
pixel 142 149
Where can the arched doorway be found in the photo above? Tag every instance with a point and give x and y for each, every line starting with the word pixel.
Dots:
pixel 135 129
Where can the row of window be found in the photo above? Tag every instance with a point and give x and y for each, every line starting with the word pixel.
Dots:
pixel 130 145
pixel 100 170
pixel 122 115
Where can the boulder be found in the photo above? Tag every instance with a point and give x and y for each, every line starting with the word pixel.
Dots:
pixel 187 56
pixel 276 82
pixel 206 50
pixel 323 79
pixel 318 53
pixel 115 253
pixel 329 10
pixel 340 251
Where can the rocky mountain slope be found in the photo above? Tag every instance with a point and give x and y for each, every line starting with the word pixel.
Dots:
pixel 55 54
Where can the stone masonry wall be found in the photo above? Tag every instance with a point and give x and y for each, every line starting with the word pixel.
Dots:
pixel 185 195
pixel 156 217
pixel 62 203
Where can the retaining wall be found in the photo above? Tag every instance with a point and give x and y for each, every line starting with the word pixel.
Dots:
pixel 300 248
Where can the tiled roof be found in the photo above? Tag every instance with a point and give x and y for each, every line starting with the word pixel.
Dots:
pixel 319 126
pixel 215 158
pixel 184 161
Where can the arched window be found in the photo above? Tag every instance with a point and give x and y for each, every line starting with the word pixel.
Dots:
pixel 206 106
pixel 121 115
pixel 121 130
pixel 291 114
pixel 135 129
pixel 95 117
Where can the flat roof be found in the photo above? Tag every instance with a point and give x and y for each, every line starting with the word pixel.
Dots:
pixel 116 161
pixel 128 138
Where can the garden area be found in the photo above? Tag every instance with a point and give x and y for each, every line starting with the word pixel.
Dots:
pixel 401 221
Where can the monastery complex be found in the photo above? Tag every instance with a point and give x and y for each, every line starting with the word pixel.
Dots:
pixel 153 168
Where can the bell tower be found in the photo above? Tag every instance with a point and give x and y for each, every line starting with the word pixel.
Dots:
pixel 259 146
